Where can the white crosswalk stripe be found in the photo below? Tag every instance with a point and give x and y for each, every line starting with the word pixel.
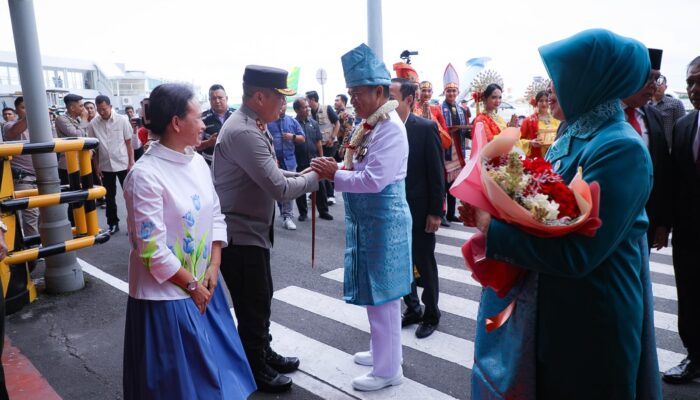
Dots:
pixel 327 371
pixel 447 347
pixel 468 308
pixel 317 361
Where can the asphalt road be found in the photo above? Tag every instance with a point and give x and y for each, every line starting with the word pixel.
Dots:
pixel 76 340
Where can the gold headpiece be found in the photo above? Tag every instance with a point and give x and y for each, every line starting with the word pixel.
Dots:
pixel 426 85
pixel 481 82
pixel 535 87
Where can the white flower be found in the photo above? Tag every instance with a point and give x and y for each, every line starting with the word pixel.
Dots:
pixel 541 208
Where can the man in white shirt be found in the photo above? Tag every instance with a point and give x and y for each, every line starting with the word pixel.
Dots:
pixel 114 156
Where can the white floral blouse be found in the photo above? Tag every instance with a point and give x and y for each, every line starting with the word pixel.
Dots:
pixel 173 218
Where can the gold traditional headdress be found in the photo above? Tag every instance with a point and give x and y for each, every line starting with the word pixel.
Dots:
pixel 535 87
pixel 481 82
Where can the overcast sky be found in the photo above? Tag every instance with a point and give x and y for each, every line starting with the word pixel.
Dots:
pixel 208 41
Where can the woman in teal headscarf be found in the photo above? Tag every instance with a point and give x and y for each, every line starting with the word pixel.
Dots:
pixel 591 338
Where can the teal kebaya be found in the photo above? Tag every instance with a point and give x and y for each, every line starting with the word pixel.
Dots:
pixel 590 303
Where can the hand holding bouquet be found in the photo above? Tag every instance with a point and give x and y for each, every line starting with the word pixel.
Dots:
pixel 523 192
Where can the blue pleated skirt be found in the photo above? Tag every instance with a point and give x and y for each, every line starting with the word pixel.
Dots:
pixel 171 351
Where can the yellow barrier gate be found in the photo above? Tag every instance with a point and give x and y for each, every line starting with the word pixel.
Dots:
pixel 18 288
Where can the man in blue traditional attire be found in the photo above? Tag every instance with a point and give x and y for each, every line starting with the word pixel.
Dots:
pixel 378 270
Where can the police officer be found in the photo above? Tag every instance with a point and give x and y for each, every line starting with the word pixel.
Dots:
pixel 214 119
pixel 248 181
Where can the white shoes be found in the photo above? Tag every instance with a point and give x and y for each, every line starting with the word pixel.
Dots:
pixel 289 224
pixel 331 200
pixel 363 358
pixel 369 382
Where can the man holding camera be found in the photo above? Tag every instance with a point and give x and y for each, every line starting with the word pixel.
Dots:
pixel 214 119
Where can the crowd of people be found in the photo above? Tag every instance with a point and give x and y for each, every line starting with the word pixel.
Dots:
pixel 202 189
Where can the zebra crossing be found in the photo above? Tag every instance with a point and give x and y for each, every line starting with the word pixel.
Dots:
pixel 431 365
pixel 336 368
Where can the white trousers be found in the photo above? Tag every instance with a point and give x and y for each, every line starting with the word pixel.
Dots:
pixel 385 338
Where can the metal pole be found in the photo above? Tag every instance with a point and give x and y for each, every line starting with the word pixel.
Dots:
pixel 63 273
pixel 374 27
pixel 323 94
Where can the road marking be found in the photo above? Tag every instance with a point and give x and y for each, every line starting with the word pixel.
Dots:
pixel 459 351
pixel 465 235
pixel 448 250
pixel 666 321
pixel 308 383
pixel 451 348
pixel 664 291
pixel 469 309
pixel 103 276
pixel 660 291
pixel 336 369
pixel 453 233
pixel 668 359
pixel 452 304
pixel 661 268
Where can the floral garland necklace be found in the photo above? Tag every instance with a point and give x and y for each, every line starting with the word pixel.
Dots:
pixel 544 118
pixel 359 142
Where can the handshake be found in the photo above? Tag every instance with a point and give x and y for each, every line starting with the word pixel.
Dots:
pixel 325 167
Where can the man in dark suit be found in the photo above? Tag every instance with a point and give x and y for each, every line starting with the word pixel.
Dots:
pixel 648 122
pixel 685 170
pixel 425 185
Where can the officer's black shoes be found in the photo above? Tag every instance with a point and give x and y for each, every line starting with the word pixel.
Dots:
pixel 302 217
pixel 425 329
pixel 270 381
pixel 279 363
pixel 410 318
pixel 325 216
pixel 113 229
pixel 684 372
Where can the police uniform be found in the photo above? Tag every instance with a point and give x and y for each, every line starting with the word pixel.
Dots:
pixel 213 125
pixel 248 181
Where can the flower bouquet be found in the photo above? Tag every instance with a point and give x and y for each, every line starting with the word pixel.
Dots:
pixel 523 192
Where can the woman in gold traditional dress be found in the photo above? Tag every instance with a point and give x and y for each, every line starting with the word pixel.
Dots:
pixel 538 131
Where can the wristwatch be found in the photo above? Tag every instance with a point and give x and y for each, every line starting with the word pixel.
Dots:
pixel 192 285
pixel 294 137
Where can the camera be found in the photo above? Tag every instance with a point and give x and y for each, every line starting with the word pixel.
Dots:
pixel 406 55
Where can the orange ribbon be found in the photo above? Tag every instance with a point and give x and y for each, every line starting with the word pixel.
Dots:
pixel 501 318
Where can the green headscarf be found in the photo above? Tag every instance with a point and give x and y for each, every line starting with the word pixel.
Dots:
pixel 594 67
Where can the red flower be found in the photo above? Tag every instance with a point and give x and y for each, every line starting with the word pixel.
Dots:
pixel 367 126
pixel 536 165
pixel 561 194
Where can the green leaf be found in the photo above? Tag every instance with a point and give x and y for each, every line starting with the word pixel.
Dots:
pixel 148 252
pixel 199 250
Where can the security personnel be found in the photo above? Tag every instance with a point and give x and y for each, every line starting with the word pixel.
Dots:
pixel 214 119
pixel 248 181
